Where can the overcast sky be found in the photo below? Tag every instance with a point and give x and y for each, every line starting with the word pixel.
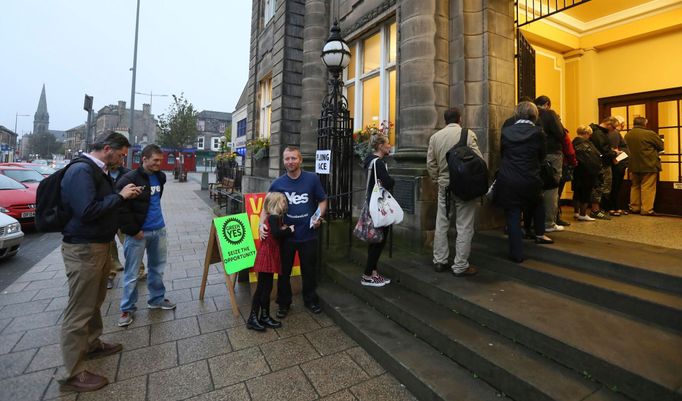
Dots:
pixel 74 47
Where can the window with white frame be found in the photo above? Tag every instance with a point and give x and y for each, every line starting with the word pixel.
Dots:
pixel 265 108
pixel 370 78
pixel 215 145
pixel 268 10
pixel 200 143
pixel 201 125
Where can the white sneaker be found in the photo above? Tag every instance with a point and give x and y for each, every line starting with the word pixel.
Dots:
pixel 554 228
pixel 586 218
pixel 576 215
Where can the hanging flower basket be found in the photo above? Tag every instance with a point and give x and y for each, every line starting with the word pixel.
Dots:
pixel 259 148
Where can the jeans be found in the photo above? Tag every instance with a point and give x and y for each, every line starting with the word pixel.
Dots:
pixel 307 254
pixel 513 216
pixel 551 196
pixel 155 243
pixel 465 213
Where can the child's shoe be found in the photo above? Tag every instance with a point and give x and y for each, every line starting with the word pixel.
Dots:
pixel 253 322
pixel 267 321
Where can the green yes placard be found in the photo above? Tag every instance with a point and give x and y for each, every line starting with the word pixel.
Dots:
pixel 236 242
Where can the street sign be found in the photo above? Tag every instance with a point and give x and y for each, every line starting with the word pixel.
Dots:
pixel 323 160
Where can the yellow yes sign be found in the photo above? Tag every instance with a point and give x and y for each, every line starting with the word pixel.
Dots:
pixel 236 242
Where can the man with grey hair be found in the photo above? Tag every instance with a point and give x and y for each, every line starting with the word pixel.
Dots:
pixel 87 194
pixel 645 163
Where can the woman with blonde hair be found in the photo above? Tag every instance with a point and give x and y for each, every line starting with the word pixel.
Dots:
pixel 381 147
pixel 268 261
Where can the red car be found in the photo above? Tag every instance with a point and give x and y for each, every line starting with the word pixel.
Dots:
pixel 41 168
pixel 30 178
pixel 18 201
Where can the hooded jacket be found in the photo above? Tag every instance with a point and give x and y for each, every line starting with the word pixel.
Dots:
pixel 518 182
pixel 600 139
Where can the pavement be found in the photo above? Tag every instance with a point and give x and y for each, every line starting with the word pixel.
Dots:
pixel 199 351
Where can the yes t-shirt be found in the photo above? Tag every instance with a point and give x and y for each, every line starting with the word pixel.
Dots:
pixel 303 195
pixel 154 220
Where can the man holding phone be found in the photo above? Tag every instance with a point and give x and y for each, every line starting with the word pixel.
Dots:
pixel 142 222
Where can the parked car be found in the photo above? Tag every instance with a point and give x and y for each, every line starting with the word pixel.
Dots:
pixel 18 201
pixel 30 178
pixel 60 164
pixel 44 170
pixel 10 236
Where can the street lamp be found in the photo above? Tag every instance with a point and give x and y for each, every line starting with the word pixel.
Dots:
pixel 151 97
pixel 132 89
pixel 16 117
pixel 335 130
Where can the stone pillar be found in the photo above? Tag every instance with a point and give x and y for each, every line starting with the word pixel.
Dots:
pixel 314 85
pixel 423 75
pixel 482 73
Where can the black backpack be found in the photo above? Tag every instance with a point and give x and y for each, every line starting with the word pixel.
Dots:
pixel 468 171
pixel 50 215
pixel 589 159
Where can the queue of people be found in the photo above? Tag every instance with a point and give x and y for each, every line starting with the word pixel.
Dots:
pixel 534 149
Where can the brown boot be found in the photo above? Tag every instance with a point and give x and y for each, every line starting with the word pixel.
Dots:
pixel 104 349
pixel 84 382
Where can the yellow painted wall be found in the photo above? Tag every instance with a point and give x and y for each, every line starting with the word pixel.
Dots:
pixel 549 76
pixel 649 64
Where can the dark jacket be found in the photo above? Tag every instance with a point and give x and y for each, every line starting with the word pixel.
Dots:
pixel 382 175
pixel 92 203
pixel 551 124
pixel 589 163
pixel 134 211
pixel 600 139
pixel 518 182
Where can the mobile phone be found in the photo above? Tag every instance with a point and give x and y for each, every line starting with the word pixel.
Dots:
pixel 141 187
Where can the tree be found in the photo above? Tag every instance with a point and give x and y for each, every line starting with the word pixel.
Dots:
pixel 44 144
pixel 178 126
pixel 227 138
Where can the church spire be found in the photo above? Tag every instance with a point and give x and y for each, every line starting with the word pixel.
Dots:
pixel 41 120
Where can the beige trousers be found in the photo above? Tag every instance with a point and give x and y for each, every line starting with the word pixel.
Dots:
pixel 87 267
pixel 643 192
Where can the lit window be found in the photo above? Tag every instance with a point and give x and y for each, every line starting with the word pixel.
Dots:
pixel 371 79
pixel 200 142
pixel 268 10
pixel 265 108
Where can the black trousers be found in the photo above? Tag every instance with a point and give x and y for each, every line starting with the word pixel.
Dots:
pixel 307 254
pixel 513 216
pixel 612 202
pixel 261 298
pixel 374 252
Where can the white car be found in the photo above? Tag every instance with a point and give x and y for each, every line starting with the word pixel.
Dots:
pixel 10 236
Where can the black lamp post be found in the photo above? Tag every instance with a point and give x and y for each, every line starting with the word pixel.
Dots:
pixel 335 130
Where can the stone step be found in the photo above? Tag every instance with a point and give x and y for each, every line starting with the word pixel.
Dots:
pixel 423 370
pixel 631 262
pixel 510 367
pixel 656 306
pixel 637 359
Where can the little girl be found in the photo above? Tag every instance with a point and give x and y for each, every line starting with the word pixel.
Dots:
pixel 268 261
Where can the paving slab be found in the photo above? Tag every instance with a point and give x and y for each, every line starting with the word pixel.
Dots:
pixel 39 337
pixel 147 360
pixel 237 366
pixel 332 373
pixel 330 340
pixel 220 320
pixel 285 385
pixel 203 346
pixel 134 389
pixel 288 351
pixel 382 388
pixel 181 382
pixel 194 308
pixel 8 341
pixel 174 330
pixel 26 387
pixel 366 362
pixel 241 337
pixel 15 363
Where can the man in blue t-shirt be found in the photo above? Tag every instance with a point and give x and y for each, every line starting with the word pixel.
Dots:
pixel 306 196
pixel 142 222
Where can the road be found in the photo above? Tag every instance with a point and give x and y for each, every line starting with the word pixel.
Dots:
pixel 34 247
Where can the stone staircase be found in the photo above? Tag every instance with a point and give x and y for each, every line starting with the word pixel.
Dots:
pixel 585 319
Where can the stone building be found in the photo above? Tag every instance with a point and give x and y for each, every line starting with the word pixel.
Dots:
pixel 8 144
pixel 117 118
pixel 412 59
pixel 211 126
pixel 73 140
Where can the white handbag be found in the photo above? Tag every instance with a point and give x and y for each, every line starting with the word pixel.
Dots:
pixel 383 208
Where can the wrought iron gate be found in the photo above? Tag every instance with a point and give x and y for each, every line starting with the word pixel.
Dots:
pixel 528 11
pixel 335 133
